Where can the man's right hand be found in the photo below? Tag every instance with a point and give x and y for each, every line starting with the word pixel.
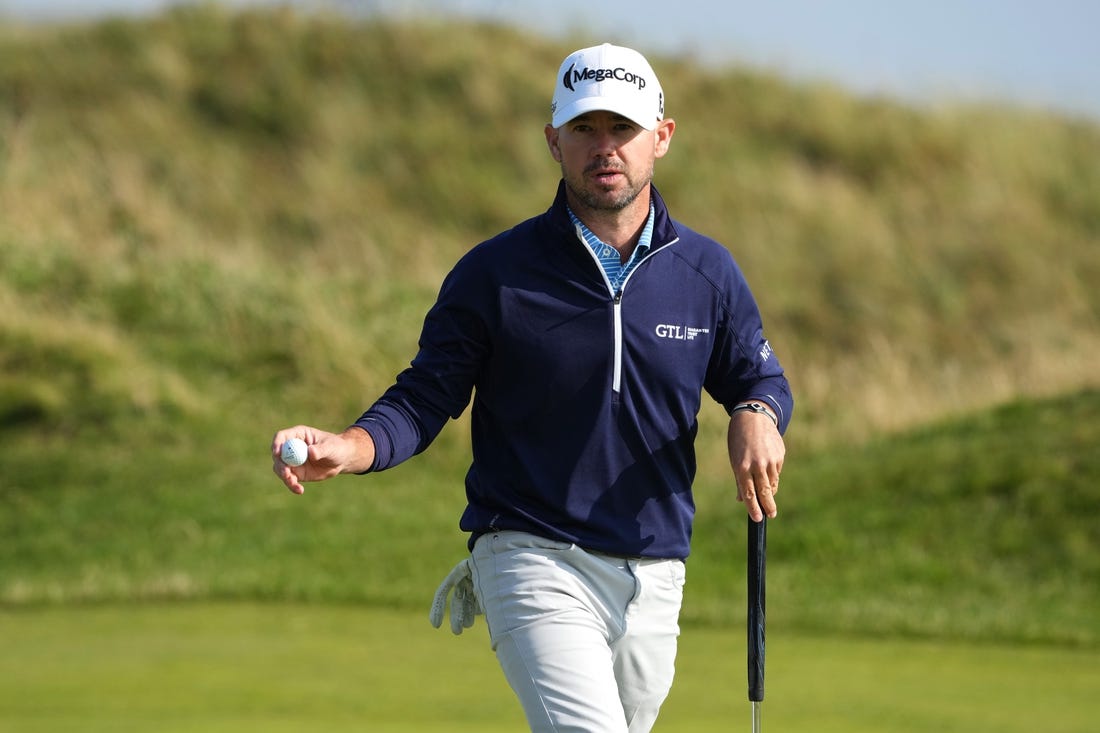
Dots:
pixel 328 455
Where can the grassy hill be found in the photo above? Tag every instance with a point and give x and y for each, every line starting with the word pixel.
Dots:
pixel 216 224
pixel 982 528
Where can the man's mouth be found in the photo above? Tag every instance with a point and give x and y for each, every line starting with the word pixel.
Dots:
pixel 605 176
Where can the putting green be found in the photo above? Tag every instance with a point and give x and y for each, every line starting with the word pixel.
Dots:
pixel 282 667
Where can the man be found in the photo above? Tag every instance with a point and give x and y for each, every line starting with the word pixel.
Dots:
pixel 586 336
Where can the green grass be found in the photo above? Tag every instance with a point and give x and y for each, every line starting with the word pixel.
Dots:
pixel 245 667
pixel 287 667
pixel 980 528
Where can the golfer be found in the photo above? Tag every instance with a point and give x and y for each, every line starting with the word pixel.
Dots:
pixel 586 337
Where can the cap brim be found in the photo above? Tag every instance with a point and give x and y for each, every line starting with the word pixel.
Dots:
pixel 578 107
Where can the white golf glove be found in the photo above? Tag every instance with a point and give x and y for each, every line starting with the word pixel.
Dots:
pixel 464 605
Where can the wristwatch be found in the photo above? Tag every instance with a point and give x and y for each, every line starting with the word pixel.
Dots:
pixel 757 408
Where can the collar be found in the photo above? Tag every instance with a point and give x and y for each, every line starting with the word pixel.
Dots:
pixel 664 229
pixel 597 244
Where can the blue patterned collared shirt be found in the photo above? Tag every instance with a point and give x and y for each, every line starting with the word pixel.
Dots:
pixel 612 264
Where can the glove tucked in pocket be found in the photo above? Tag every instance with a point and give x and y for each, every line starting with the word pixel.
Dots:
pixel 464 605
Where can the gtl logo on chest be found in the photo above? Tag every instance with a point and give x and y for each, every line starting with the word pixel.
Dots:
pixel 679 333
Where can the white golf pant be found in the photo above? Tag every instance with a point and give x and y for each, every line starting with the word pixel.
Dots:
pixel 587 641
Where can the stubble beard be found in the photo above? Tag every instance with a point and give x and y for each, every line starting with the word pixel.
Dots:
pixel 604 200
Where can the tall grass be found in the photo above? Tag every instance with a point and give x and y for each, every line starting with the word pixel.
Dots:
pixel 909 262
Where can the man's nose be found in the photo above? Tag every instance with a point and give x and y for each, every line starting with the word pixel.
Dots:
pixel 603 143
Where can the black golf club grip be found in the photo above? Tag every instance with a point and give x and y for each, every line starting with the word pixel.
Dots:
pixel 758 543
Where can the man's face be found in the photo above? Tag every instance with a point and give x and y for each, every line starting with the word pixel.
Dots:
pixel 606 159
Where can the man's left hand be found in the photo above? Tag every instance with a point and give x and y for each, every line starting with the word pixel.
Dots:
pixel 756 451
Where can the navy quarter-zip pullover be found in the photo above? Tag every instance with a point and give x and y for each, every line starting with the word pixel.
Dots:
pixel 585 400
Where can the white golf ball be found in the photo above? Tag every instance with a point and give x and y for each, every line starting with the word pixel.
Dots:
pixel 295 452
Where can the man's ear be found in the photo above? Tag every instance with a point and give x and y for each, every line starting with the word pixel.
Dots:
pixel 552 142
pixel 663 136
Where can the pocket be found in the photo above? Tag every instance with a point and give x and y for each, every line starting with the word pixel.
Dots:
pixel 512 574
pixel 678 571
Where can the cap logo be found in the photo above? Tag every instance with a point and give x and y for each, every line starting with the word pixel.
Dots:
pixel 572 76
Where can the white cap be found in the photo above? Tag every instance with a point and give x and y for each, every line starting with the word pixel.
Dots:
pixel 608 78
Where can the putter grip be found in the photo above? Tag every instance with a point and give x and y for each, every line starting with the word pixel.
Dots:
pixel 758 542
